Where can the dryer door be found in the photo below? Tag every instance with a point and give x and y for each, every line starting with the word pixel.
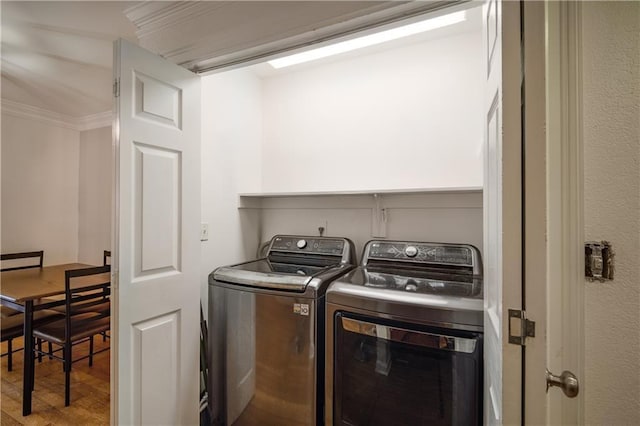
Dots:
pixel 395 373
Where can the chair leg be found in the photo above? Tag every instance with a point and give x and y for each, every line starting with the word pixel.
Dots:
pixel 67 374
pixel 50 350
pixel 33 373
pixel 33 369
pixel 39 350
pixel 10 355
pixel 104 336
pixel 91 351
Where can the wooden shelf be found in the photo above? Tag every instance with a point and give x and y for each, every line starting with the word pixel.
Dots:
pixel 406 191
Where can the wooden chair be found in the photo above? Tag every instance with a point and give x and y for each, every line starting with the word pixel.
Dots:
pixel 106 254
pixel 15 261
pixel 85 316
pixel 12 320
pixel 37 256
pixel 13 327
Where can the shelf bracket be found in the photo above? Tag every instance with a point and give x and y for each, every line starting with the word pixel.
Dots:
pixel 379 218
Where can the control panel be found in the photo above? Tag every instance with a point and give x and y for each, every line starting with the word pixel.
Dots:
pixel 309 245
pixel 445 254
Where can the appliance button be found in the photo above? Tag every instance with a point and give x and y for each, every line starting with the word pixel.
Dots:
pixel 301 244
pixel 411 251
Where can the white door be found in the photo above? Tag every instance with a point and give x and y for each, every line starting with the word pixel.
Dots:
pixel 155 352
pixel 502 211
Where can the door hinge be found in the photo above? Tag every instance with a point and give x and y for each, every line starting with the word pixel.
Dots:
pixel 116 88
pixel 520 327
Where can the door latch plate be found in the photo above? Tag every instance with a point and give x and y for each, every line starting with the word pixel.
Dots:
pixel 520 327
pixel 598 261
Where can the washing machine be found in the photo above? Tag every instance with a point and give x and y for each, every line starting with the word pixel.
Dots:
pixel 405 337
pixel 266 332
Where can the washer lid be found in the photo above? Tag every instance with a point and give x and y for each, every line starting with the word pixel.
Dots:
pixel 413 294
pixel 293 263
pixel 265 274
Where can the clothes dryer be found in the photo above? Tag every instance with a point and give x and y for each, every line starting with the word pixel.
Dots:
pixel 404 337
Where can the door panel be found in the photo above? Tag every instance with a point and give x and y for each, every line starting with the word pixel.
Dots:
pixel 156 258
pixel 502 210
pixel 157 211
pixel 157 101
pixel 161 406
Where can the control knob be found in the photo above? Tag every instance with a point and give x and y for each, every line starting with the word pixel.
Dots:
pixel 411 251
pixel 301 244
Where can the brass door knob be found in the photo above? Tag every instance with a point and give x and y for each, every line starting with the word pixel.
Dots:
pixel 567 381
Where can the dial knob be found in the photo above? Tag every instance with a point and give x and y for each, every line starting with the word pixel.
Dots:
pixel 411 251
pixel 301 244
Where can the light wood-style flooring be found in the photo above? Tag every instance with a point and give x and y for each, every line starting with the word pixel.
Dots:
pixel 89 390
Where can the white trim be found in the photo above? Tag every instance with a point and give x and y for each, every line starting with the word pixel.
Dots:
pixel 95 121
pixel 565 209
pixel 154 20
pixel 79 124
pixel 535 211
pixel 28 112
pixel 362 22
pixel 151 17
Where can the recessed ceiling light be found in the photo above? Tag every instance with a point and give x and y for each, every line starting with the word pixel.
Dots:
pixel 370 40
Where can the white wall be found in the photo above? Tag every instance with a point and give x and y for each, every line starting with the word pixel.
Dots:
pixel 408 117
pixel 451 218
pixel 96 170
pixel 611 84
pixel 231 152
pixel 40 189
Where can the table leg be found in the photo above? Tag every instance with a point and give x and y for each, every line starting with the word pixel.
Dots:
pixel 27 366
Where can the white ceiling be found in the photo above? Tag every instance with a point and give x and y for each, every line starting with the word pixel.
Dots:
pixel 57 56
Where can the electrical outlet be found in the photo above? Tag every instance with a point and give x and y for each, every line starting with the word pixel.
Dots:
pixel 322 229
pixel 204 232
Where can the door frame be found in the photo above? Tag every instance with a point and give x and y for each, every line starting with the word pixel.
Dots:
pixel 534 210
pixel 565 207
pixel 562 189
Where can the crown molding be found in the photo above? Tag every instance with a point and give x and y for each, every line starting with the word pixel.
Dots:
pixel 29 112
pixel 42 115
pixel 194 34
pixel 95 121
pixel 152 17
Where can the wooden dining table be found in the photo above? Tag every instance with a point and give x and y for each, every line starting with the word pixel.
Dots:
pixel 23 290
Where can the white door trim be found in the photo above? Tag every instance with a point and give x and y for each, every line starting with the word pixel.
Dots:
pixel 534 209
pixel 565 274
pixel 115 224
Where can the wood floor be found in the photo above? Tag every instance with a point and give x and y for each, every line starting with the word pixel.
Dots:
pixel 89 390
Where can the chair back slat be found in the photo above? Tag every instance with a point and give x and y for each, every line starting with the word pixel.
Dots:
pixel 92 291
pixel 37 256
pixel 106 255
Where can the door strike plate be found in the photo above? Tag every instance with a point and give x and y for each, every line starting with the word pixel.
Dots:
pixel 598 261
pixel 520 327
